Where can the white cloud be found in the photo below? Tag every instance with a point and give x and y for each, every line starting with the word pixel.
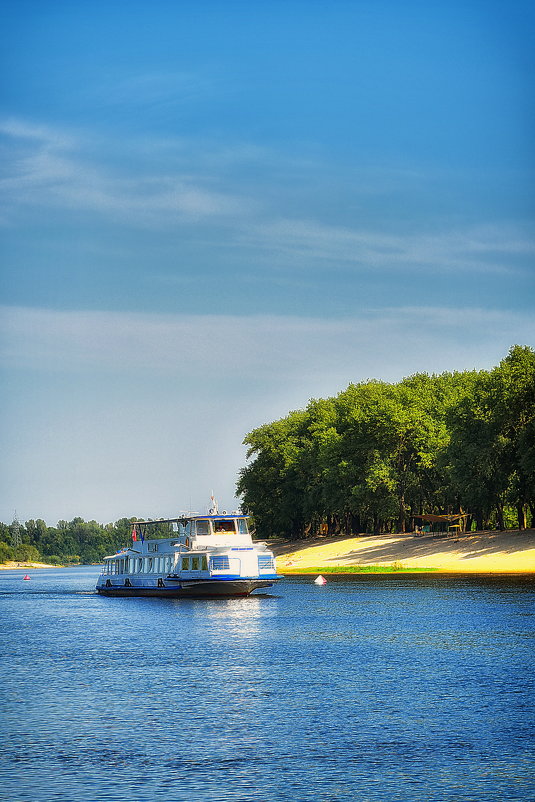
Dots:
pixel 382 343
pixel 44 135
pixel 157 89
pixel 308 243
pixel 202 183
pixel 50 169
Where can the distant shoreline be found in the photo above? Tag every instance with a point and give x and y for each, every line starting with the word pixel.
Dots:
pixel 13 565
pixel 510 552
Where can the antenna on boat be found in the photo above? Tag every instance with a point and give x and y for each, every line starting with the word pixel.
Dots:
pixel 213 510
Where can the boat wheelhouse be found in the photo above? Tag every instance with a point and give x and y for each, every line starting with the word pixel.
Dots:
pixel 192 555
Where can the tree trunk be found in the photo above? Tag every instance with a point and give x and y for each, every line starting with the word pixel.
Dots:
pixel 401 524
pixel 521 512
pixel 375 523
pixel 499 517
pixel 355 524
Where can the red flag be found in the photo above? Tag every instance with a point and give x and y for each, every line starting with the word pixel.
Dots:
pixel 134 534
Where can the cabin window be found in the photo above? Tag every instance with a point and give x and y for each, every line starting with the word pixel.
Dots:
pixel 202 527
pixel 150 565
pixel 204 564
pixel 219 563
pixel 185 563
pixel 185 528
pixel 224 526
pixel 194 563
pixel 242 526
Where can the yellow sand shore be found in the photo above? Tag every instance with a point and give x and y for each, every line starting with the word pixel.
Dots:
pixel 482 552
pixel 11 565
pixel 477 552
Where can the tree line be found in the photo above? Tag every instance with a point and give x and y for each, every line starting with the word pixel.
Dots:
pixel 379 454
pixel 75 541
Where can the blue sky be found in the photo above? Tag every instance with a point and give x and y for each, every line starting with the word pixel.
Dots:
pixel 212 212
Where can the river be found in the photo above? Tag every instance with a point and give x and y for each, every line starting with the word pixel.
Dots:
pixel 396 687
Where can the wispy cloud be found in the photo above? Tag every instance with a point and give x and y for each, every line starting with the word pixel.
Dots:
pixel 387 341
pixel 191 184
pixel 309 243
pixel 48 168
pixel 155 89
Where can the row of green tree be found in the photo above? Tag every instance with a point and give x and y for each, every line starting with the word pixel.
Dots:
pixel 378 455
pixel 75 541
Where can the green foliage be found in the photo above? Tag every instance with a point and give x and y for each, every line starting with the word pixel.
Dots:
pixel 379 454
pixel 6 552
pixel 26 553
pixel 75 541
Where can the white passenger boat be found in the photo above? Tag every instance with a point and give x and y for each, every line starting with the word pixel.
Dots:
pixel 204 555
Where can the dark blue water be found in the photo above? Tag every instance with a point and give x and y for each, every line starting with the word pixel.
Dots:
pixel 371 688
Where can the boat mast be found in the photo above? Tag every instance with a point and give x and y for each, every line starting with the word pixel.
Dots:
pixel 214 508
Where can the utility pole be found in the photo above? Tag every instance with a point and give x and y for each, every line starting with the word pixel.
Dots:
pixel 16 539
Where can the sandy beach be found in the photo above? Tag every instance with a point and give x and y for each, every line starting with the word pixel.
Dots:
pixel 13 565
pixel 475 552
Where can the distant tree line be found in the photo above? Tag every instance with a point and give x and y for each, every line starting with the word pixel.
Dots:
pixel 71 542
pixel 378 454
pixel 75 541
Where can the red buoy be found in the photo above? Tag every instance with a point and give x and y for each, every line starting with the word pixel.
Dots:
pixel 27 576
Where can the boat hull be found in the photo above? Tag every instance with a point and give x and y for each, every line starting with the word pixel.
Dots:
pixel 190 589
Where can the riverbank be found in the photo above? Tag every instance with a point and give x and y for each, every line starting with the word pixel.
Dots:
pixel 475 552
pixel 13 565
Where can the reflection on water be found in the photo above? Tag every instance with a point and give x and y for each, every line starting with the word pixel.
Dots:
pixel 370 688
